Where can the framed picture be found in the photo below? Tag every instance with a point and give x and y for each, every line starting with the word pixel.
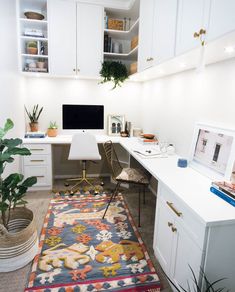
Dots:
pixel 213 151
pixel 116 124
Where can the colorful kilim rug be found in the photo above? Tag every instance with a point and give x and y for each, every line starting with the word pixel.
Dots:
pixel 80 252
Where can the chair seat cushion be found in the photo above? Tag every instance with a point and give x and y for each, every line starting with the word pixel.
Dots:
pixel 133 175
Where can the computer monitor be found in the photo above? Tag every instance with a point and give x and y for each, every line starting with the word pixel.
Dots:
pixel 82 117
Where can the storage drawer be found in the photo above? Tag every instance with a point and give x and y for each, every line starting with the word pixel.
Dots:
pixel 184 215
pixel 37 160
pixel 43 174
pixel 39 148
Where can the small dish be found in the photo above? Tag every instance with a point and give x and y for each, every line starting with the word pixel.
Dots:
pixel 148 136
pixel 34 15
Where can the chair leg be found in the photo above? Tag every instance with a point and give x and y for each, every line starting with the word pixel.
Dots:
pixel 139 209
pixel 112 197
pixel 144 194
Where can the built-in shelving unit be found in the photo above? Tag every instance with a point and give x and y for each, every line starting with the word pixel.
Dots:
pixel 33 33
pixel 122 44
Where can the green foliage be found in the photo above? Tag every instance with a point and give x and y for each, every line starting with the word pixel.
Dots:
pixel 53 125
pixel 32 44
pixel 34 116
pixel 113 71
pixel 195 287
pixel 13 187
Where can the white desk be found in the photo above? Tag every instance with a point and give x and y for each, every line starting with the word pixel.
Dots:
pixel 205 231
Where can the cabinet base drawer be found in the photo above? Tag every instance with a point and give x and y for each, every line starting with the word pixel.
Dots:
pixel 185 215
pixel 42 173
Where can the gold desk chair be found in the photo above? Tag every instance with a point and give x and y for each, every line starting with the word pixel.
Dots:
pixel 123 175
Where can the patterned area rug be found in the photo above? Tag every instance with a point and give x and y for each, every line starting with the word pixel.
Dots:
pixel 80 252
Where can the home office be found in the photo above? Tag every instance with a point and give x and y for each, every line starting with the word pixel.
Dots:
pixel 191 225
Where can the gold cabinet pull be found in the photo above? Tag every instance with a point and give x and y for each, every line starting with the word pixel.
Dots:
pixel 74 70
pixel 40 176
pixel 36 160
pixel 200 35
pixel 174 229
pixel 149 59
pixel 170 224
pixel 78 70
pixel 174 209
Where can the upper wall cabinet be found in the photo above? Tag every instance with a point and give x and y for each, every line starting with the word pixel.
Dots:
pixel 193 15
pixel 32 35
pixel 76 39
pixel 156 32
pixel 222 18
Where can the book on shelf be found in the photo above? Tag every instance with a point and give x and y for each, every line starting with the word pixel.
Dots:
pixel 222 195
pixel 106 43
pixel 35 134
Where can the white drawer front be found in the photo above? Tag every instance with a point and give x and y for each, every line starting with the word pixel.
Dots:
pixel 39 148
pixel 43 174
pixel 184 215
pixel 37 160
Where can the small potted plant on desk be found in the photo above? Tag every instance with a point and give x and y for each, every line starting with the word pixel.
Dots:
pixel 52 129
pixel 32 48
pixel 33 117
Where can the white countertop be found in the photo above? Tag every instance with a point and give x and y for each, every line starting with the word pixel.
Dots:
pixel 189 185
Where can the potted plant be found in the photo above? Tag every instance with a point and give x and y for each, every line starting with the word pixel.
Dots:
pixel 18 234
pixel 52 129
pixel 40 63
pixel 33 117
pixel 114 71
pixel 32 48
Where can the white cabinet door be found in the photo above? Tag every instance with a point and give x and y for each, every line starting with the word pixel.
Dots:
pixel 62 37
pixel 163 235
pixel 89 39
pixel 192 16
pixel 164 30
pixel 185 254
pixel 222 18
pixel 145 34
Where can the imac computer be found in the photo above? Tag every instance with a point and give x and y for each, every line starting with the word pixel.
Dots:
pixel 82 117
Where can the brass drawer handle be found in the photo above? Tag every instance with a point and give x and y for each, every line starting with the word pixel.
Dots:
pixel 149 59
pixel 173 229
pixel 169 224
pixel 40 176
pixel 173 209
pixel 36 160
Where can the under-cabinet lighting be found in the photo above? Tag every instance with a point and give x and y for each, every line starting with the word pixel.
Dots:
pixel 229 49
pixel 182 65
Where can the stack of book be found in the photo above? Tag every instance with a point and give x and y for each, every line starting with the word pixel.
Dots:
pixel 225 190
pixel 35 135
pixel 107 43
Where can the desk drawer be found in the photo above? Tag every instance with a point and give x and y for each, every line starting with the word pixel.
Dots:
pixel 39 148
pixel 43 174
pixel 37 160
pixel 184 215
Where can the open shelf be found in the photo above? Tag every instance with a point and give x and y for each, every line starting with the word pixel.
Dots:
pixel 132 55
pixel 123 34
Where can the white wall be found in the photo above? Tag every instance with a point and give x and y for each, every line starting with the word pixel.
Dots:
pixel 172 105
pixel 51 93
pixel 11 84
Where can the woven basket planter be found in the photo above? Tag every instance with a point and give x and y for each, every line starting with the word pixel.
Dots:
pixel 18 244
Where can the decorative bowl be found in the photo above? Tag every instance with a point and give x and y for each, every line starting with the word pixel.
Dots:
pixel 34 15
pixel 148 136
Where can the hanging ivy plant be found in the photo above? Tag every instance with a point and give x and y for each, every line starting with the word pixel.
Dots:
pixel 114 71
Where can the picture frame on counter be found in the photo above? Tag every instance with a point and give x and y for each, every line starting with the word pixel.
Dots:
pixel 213 151
pixel 116 124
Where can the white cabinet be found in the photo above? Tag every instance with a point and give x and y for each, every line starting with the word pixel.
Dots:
pixel 38 164
pixel 174 245
pixel 157 32
pixel 193 15
pixel 76 38
pixel 222 18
